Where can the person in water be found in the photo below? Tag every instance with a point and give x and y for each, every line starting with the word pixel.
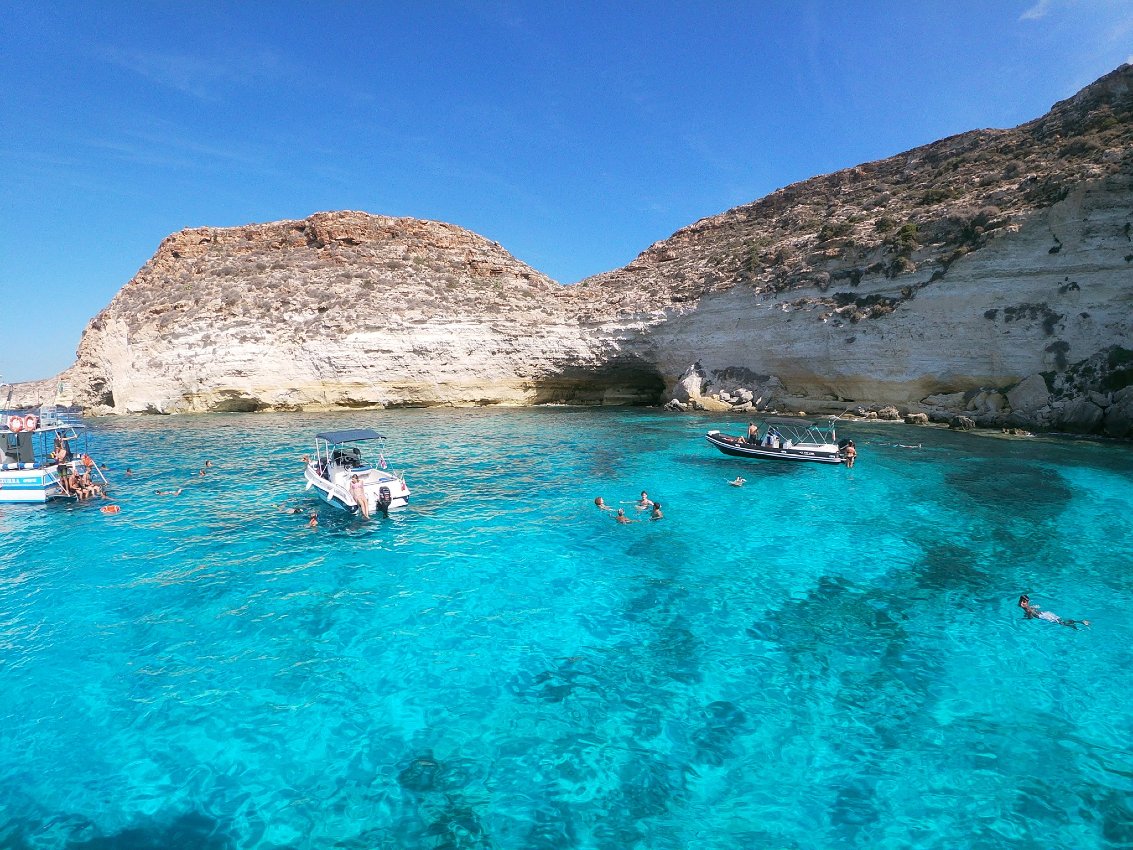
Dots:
pixel 644 502
pixel 600 503
pixel 850 454
pixel 1033 612
pixel 656 511
pixel 739 482
pixel 358 493
pixel 313 522
pixel 622 518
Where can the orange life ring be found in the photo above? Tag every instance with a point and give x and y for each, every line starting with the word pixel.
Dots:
pixel 110 509
pixel 31 422
pixel 15 424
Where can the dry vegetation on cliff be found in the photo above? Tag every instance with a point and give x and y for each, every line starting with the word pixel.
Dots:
pixel 915 212
pixel 333 272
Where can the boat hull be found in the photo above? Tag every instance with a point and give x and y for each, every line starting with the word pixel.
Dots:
pixel 335 491
pixel 813 453
pixel 29 486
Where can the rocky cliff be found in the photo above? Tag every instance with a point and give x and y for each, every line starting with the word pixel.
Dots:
pixel 925 280
pixel 343 310
pixel 990 272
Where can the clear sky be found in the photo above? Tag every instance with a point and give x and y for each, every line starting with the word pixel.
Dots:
pixel 574 133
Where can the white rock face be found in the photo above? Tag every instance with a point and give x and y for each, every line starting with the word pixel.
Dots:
pixel 345 310
pixel 996 316
pixel 1030 396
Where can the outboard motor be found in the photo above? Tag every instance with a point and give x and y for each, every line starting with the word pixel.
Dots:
pixel 384 500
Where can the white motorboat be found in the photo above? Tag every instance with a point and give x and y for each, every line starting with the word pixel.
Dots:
pixel 36 450
pixel 784 438
pixel 339 456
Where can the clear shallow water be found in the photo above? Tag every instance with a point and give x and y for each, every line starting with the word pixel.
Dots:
pixel 822 658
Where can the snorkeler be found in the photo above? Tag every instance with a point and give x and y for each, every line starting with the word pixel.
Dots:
pixel 1033 612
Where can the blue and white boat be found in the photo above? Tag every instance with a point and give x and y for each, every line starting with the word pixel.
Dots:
pixel 30 457
pixel 339 457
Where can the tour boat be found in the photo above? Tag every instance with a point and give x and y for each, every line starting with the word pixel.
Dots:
pixel 30 460
pixel 783 438
pixel 339 457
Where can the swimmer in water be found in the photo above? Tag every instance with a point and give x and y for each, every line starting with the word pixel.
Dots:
pixel 622 518
pixel 1033 612
pixel 600 503
pixel 314 520
pixel 656 511
pixel 739 482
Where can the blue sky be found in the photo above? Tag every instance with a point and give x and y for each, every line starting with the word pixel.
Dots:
pixel 575 134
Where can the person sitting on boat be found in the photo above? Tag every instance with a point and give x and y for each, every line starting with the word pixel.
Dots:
pixel 358 493
pixel 753 433
pixel 65 480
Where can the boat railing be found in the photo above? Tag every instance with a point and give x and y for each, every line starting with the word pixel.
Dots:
pixel 50 415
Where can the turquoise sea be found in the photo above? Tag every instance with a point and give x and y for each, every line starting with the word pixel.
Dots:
pixel 822 658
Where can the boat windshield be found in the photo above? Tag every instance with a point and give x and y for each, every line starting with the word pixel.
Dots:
pixel 801 430
pixel 339 447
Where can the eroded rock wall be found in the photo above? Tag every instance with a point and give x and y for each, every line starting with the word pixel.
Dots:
pixel 942 279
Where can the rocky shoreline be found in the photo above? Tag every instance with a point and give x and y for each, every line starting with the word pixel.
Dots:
pixel 1073 405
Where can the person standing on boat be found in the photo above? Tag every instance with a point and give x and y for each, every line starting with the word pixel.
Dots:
pixel 62 453
pixel 753 433
pixel 358 493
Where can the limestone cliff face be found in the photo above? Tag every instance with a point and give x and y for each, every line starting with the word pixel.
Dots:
pixel 343 310
pixel 966 265
pixel 957 271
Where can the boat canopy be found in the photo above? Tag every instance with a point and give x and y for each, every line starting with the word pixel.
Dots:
pixel 352 436
pixel 788 420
